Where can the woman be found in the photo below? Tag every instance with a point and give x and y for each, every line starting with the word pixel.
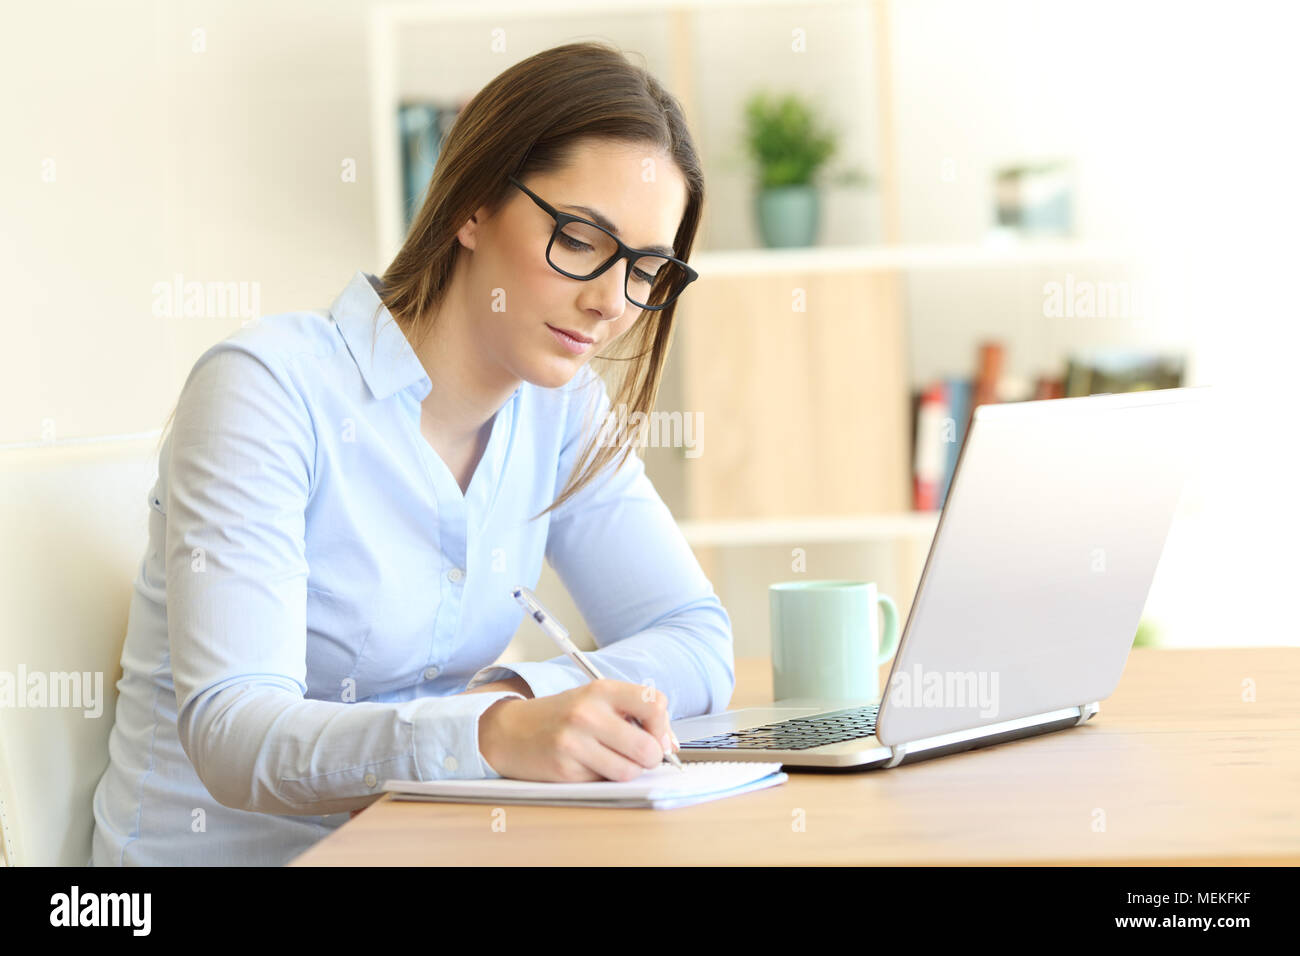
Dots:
pixel 344 501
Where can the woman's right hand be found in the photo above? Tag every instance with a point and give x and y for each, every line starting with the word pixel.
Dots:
pixel 581 734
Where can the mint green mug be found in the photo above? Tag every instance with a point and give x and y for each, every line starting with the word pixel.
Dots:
pixel 825 639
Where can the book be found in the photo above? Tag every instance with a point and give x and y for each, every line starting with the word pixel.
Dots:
pixel 662 788
pixel 421 128
pixel 931 452
pixel 958 392
pixel 988 374
pixel 1121 370
pixel 1048 387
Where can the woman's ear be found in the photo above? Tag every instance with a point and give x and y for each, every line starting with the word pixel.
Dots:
pixel 468 233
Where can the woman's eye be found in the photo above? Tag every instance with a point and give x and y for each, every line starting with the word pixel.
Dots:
pixel 573 244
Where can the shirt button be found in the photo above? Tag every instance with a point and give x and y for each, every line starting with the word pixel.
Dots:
pixel 430 673
pixel 450 762
pixel 371 780
pixel 454 575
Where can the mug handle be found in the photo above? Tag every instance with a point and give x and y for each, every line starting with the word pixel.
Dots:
pixel 889 639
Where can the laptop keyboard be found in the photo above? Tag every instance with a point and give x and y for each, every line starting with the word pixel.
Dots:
pixel 798 734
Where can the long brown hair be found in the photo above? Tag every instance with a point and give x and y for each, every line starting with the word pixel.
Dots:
pixel 530 119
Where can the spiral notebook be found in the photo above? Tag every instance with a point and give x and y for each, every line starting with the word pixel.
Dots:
pixel 662 788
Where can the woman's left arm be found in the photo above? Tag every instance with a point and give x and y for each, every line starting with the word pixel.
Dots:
pixel 653 613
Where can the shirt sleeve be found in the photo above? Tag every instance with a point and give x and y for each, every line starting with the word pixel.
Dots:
pixel 620 554
pixel 241 461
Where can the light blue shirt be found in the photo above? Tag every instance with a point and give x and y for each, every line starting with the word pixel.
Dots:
pixel 317 592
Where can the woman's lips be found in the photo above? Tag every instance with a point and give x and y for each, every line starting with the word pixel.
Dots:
pixel 569 340
pixel 573 334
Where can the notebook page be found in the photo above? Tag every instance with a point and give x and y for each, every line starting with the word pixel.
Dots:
pixel 664 781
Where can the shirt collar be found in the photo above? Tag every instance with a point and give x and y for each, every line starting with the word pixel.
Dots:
pixel 380 348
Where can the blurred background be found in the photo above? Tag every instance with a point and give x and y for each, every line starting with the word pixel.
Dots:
pixel 913 206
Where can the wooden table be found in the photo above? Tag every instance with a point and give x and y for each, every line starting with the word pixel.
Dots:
pixel 1180 767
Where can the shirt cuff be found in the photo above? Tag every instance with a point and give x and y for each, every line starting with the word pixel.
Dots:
pixel 542 677
pixel 447 744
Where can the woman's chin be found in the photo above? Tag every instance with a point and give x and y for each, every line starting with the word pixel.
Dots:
pixel 556 372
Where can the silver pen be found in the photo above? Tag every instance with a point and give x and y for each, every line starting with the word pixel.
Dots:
pixel 557 632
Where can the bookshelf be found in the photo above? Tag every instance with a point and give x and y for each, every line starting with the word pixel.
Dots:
pixel 913 257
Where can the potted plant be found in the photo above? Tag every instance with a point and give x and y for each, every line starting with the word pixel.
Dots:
pixel 1148 634
pixel 789 146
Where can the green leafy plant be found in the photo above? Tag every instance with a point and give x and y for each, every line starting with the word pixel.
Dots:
pixel 786 140
pixel 1148 634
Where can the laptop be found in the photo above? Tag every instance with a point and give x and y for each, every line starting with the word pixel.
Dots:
pixel 1030 597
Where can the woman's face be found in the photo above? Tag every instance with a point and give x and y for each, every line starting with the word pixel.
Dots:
pixel 515 299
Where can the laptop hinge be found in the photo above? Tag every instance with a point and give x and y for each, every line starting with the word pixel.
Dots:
pixel 1087 710
pixel 899 751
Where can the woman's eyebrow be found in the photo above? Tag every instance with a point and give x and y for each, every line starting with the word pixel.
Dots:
pixel 604 223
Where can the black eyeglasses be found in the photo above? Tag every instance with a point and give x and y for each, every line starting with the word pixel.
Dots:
pixel 583 250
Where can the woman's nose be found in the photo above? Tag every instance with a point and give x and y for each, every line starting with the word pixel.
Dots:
pixel 609 295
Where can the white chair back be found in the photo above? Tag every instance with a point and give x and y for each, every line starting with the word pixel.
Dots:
pixel 74 521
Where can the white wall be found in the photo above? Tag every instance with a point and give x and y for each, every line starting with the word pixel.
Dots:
pixel 220 165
